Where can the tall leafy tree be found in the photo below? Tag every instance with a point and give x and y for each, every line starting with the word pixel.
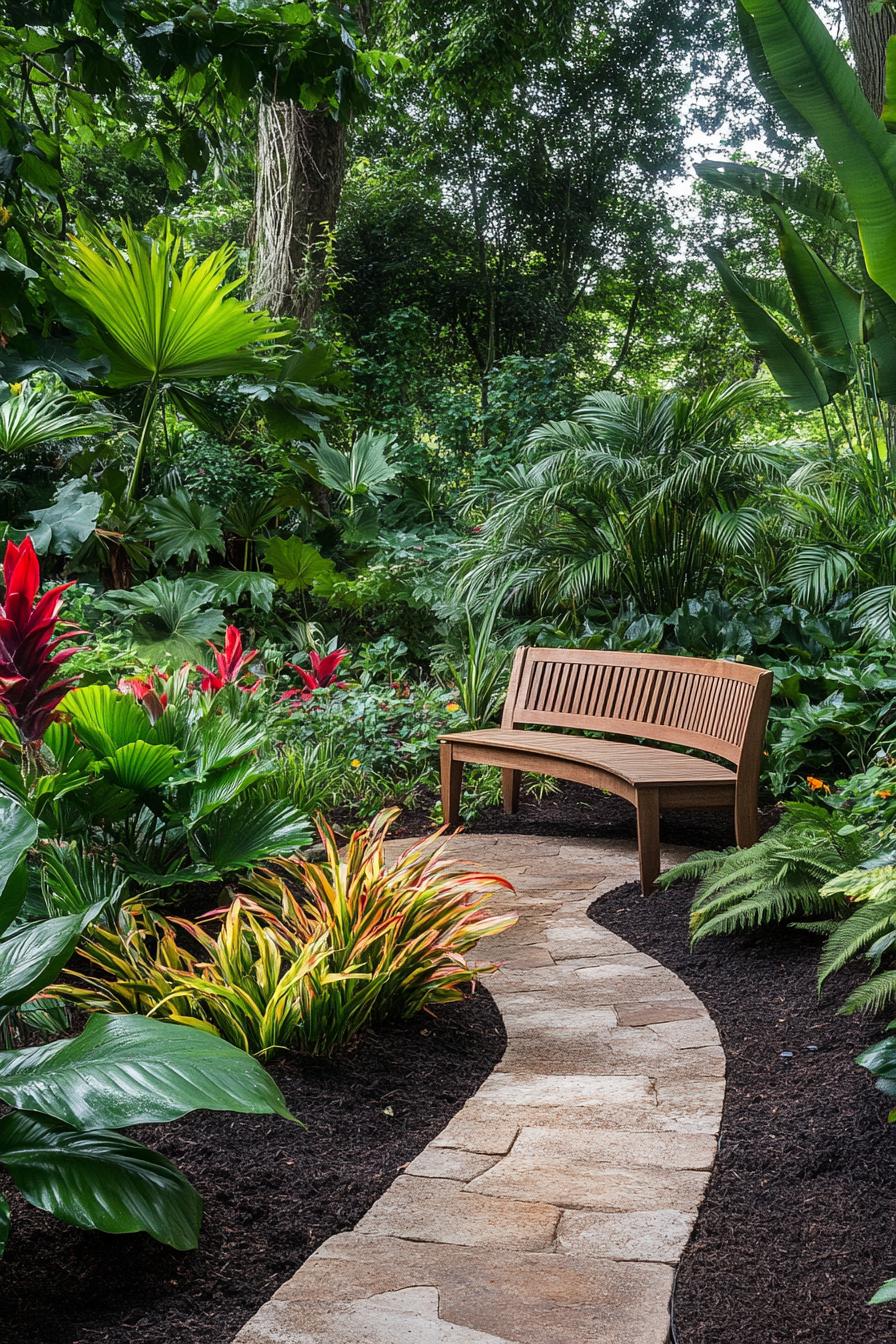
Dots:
pixel 182 77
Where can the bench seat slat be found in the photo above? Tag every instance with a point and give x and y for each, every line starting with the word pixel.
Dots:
pixel 633 763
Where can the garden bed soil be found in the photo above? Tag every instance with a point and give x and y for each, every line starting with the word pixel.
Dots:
pixel 273 1191
pixel 575 809
pixel 798 1225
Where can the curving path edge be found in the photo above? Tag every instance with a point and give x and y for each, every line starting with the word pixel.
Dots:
pixel 555 1204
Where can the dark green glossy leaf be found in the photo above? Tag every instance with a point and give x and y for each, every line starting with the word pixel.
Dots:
pixel 18 832
pixel 125 1070
pixel 99 1180
pixel 33 956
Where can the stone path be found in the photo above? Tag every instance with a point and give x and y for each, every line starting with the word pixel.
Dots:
pixel 554 1206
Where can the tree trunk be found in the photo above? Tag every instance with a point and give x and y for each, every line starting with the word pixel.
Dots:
pixel 301 166
pixel 868 34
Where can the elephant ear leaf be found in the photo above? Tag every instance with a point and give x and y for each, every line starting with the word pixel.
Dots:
pixel 99 1180
pixel 814 77
pixel 792 366
pixel 18 832
pixel 832 311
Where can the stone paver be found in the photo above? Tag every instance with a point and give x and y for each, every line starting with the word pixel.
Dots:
pixel 555 1204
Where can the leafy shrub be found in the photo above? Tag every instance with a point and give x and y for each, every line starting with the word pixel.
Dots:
pixel 321 951
pixel 66 1100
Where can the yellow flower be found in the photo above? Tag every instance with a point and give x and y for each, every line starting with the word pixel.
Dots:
pixel 452 706
pixel 5 216
pixel 356 764
pixel 817 785
pixel 15 388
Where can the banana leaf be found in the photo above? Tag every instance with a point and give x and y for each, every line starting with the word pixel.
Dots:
pixel 813 75
pixel 832 310
pixel 763 78
pixel 794 193
pixel 792 366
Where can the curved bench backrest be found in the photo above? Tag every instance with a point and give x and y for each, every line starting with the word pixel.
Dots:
pixel 714 706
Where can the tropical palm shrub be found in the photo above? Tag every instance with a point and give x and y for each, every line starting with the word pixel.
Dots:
pixel 162 322
pixel 318 952
pixel 827 335
pixel 636 498
pixel 29 418
pixel 65 1101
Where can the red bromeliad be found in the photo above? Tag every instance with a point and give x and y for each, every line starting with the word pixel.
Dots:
pixel 323 673
pixel 232 664
pixel 30 653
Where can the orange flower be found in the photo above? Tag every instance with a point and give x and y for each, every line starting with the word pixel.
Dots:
pixel 817 785
pixel 885 793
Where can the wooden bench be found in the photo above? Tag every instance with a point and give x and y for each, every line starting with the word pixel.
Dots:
pixel 716 707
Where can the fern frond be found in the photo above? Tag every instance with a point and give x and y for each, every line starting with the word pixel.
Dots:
pixel 872 996
pixel 856 934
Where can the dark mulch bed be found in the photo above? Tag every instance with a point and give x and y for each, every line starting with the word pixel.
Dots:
pixel 273 1192
pixel 798 1226
pixel 577 810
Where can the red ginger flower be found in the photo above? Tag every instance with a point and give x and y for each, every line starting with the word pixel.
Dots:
pixel 323 673
pixel 232 664
pixel 148 691
pixel 29 646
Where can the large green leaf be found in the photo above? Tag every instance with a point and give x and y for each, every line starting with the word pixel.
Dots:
pixel 219 741
pixel 182 527
pixel 99 1180
pixel 71 517
pixel 244 834
pixel 792 366
pixel 366 470
pixel 831 310
pixel 794 193
pixel 763 78
pixel 105 719
pixel 161 318
pixel 297 565
pixel 33 956
pixel 125 1070
pixel 221 787
pixel 813 75
pixel 35 417
pixel 233 584
pixel 140 766
pixel 170 619
pixel 18 832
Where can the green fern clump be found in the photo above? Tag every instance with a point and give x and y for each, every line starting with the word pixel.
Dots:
pixel 782 879
pixel 870 929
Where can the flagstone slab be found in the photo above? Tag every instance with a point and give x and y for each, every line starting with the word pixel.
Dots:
pixel 554 1206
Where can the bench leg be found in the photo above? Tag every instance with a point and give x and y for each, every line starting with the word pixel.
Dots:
pixel 647 803
pixel 510 790
pixel 452 773
pixel 746 820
